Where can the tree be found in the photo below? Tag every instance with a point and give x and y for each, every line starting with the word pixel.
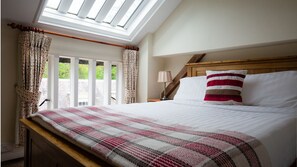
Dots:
pixel 45 73
pixel 64 70
pixel 113 72
pixel 99 72
pixel 83 71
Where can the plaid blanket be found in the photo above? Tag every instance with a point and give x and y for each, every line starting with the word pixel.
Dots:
pixel 131 141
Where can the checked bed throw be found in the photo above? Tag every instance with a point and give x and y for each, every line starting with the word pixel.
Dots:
pixel 124 140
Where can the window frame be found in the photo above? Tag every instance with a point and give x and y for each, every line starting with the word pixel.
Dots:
pixel 53 81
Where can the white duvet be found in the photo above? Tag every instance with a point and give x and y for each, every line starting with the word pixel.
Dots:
pixel 274 127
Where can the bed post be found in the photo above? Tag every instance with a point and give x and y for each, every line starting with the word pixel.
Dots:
pixel 27 149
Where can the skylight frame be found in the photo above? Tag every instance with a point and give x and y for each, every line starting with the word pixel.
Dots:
pixel 92 26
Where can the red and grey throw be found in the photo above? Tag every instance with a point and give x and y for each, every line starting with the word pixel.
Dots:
pixel 131 141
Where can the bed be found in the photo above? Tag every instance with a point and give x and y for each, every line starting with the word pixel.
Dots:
pixel 270 129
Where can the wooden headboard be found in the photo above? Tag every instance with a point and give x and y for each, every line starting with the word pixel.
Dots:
pixel 254 66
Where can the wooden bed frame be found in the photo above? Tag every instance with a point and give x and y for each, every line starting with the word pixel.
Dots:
pixel 254 66
pixel 43 148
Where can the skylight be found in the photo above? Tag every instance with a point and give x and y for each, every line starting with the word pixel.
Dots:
pixel 129 13
pixel 120 19
pixel 75 6
pixel 95 9
pixel 113 11
pixel 53 4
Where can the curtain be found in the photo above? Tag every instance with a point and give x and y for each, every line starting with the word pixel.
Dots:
pixel 130 66
pixel 33 50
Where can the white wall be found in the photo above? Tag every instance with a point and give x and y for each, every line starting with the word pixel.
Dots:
pixel 144 51
pixel 8 81
pixel 73 47
pixel 149 66
pixel 198 26
pixel 284 49
pixel 176 63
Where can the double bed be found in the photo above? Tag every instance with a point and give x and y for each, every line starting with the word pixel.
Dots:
pixel 185 131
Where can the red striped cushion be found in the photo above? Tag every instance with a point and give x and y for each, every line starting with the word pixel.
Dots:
pixel 224 87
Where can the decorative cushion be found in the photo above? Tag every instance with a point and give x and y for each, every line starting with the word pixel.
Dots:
pixel 224 87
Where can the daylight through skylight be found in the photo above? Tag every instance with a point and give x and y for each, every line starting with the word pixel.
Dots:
pixel 53 4
pixel 95 9
pixel 113 11
pixel 75 6
pixel 129 13
pixel 108 17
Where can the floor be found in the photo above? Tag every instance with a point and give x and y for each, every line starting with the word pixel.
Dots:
pixel 13 163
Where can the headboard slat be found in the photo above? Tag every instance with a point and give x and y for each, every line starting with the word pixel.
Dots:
pixel 254 66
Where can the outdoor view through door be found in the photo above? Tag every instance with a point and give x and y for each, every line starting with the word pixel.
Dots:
pixel 71 81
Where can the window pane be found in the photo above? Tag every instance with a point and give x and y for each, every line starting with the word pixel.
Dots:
pixel 44 88
pixel 64 82
pixel 113 84
pixel 129 13
pixel 83 82
pixel 95 9
pixel 113 11
pixel 75 6
pixel 53 4
pixel 99 83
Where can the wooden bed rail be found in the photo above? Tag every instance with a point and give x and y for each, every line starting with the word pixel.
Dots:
pixel 55 150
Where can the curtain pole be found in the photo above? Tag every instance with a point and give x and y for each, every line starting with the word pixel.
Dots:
pixel 28 28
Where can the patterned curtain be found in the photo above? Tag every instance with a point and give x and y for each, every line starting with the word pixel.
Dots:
pixel 130 65
pixel 33 50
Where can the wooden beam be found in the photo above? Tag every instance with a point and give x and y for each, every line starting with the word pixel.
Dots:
pixel 183 73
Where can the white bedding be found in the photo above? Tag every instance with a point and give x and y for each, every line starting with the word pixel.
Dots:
pixel 274 127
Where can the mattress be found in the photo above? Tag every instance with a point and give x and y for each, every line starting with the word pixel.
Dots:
pixel 274 127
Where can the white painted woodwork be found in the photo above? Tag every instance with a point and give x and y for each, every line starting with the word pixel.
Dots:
pixel 119 83
pixel 53 81
pixel 104 10
pixel 74 82
pixel 107 82
pixel 92 82
pixel 136 13
pixel 85 8
pixel 123 10
pixel 64 6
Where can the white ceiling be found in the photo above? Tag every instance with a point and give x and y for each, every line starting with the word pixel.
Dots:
pixel 26 12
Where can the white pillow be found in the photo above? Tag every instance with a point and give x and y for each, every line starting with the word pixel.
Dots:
pixel 191 88
pixel 278 89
